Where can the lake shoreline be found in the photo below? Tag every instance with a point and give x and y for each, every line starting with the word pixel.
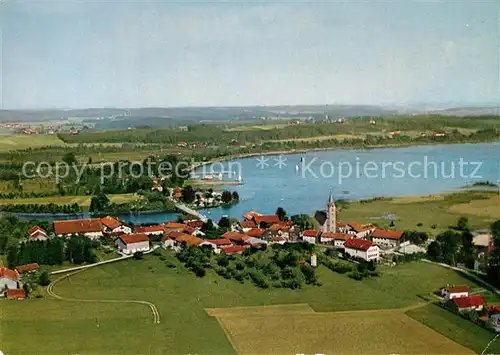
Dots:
pixel 326 149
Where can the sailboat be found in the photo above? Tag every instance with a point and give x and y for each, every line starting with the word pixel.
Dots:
pixel 296 168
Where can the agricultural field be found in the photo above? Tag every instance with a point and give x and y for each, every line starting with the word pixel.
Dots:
pixel 83 201
pixel 8 143
pixel 439 211
pixel 253 331
pixel 185 302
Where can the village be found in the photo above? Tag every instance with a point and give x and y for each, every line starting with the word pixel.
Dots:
pixel 357 243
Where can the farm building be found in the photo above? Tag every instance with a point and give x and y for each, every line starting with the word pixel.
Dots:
pixel 151 230
pixel 337 239
pixel 361 248
pixel 246 225
pixel 474 302
pixel 112 225
pixel 91 228
pixel 132 243
pixel 37 233
pixel 174 226
pixel 8 278
pixel 15 294
pixel 27 268
pixel 387 238
pixel 310 236
pixel 451 291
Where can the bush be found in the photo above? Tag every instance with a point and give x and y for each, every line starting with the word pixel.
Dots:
pixel 356 275
pixel 44 279
pixel 258 279
pixel 138 255
pixel 199 271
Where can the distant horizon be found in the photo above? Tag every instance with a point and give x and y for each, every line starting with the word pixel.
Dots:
pixel 443 105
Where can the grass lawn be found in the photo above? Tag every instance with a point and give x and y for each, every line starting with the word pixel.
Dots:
pixel 182 300
pixel 83 201
pixel 456 328
pixel 8 143
pixel 443 210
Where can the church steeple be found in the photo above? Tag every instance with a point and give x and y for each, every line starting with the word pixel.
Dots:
pixel 331 218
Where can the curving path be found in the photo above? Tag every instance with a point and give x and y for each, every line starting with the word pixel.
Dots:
pixel 50 291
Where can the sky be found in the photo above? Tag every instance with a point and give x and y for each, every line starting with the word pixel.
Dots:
pixel 71 54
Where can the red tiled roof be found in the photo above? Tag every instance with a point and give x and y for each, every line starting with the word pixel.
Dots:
pixel 37 230
pixel 28 267
pixel 172 225
pixel 111 222
pixel 493 309
pixel 310 233
pixel 16 293
pixel 189 230
pixel 78 226
pixel 256 232
pixel 341 224
pixel 150 229
pixel 234 249
pixel 134 238
pixel 251 214
pixel 171 235
pixel 277 227
pixel 356 226
pixel 218 242
pixel 248 224
pixel 189 239
pixel 8 273
pixel 195 224
pixel 457 289
pixel 235 236
pixel 387 234
pixel 269 219
pixel 359 244
pixel 469 301
pixel 336 236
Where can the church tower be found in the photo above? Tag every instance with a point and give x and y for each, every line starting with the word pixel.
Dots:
pixel 331 218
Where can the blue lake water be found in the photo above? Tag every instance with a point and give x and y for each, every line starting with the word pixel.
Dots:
pixel 350 174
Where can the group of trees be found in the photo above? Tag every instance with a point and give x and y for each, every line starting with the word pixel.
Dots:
pixel 77 249
pixel 280 266
pixel 454 245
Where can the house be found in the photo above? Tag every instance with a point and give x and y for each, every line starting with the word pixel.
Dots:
pixel 276 240
pixel 157 229
pixel 310 236
pixel 221 243
pixel 266 220
pixel 132 243
pixel 250 215
pixel 158 188
pixel 27 268
pixel 15 294
pixel 91 228
pixel 235 237
pixel 474 302
pixel 337 239
pixel 255 242
pixel 451 291
pixel 8 278
pixel 246 225
pixel 112 225
pixel 256 232
pixel 197 224
pixel 362 249
pixel 438 134
pixel 188 239
pixel 37 233
pixel 493 320
pixel 387 238
pixel 169 238
pixel 361 231
pixel 174 226
pixel 236 249
pixel 279 230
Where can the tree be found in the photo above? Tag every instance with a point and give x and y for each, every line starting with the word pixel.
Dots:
pixel 188 194
pixel 27 289
pixel 434 251
pixel 236 197
pixel 99 203
pixel 12 256
pixel 303 221
pixel 494 257
pixel 224 222
pixel 281 213
pixel 226 197
pixel 415 237
pixel 462 223
pixel 44 279
pixel 208 226
pixel 69 158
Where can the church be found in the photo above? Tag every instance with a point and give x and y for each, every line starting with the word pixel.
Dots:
pixel 328 219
